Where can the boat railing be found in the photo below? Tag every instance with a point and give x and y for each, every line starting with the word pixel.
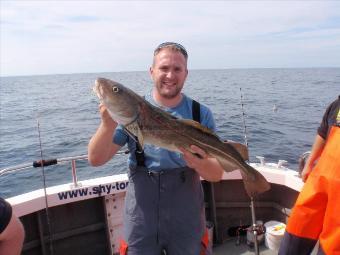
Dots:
pixel 49 162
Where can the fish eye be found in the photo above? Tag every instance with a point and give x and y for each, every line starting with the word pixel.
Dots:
pixel 115 89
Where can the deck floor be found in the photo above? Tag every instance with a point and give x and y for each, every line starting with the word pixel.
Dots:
pixel 230 248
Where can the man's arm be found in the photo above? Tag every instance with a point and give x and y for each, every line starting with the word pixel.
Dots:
pixel 12 238
pixel 316 151
pixel 208 168
pixel 101 148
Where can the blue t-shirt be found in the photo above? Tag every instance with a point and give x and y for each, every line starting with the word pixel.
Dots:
pixel 156 158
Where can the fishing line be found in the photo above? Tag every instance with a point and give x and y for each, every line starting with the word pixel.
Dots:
pixel 244 120
pixel 46 202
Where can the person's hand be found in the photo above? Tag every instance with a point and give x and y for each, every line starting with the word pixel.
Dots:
pixel 106 118
pixel 206 166
pixel 194 158
pixel 305 172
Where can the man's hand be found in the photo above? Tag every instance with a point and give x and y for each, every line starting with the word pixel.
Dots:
pixel 207 167
pixel 101 148
pixel 306 172
pixel 105 116
pixel 195 158
pixel 316 151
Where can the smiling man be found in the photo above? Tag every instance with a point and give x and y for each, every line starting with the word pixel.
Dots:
pixel 164 205
pixel 169 72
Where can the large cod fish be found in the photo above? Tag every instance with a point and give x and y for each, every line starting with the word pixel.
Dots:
pixel 152 125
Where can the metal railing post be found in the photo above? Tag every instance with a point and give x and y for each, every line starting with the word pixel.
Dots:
pixel 74 173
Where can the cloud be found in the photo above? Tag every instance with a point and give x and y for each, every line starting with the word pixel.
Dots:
pixel 83 18
pixel 90 36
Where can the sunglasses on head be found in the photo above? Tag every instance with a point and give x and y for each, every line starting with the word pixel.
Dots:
pixel 172 44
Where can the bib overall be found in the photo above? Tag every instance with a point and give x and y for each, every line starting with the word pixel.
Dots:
pixel 164 211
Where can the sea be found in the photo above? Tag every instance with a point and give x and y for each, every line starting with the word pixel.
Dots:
pixel 276 111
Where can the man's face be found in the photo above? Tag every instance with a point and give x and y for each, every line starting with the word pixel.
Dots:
pixel 169 72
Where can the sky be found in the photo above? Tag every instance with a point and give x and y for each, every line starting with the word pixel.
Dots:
pixel 54 37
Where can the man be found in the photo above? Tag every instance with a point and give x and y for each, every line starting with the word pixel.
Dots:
pixel 164 206
pixel 315 215
pixel 11 230
pixel 328 120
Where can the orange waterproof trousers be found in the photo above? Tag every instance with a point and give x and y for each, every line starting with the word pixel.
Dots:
pixel 316 214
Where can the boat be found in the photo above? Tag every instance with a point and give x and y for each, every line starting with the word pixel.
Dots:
pixel 85 217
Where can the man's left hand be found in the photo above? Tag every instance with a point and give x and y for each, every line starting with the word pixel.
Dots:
pixel 195 157
pixel 206 166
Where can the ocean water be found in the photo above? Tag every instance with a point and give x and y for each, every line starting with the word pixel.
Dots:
pixel 67 111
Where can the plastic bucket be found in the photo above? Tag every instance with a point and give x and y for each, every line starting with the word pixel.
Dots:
pixel 274 234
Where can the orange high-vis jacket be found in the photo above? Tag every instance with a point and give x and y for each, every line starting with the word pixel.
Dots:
pixel 316 214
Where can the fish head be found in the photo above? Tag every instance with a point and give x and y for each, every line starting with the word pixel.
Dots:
pixel 121 102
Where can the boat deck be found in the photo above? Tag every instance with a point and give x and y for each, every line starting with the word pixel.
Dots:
pixel 229 247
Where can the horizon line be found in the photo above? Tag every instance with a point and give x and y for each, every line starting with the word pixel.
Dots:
pixel 193 69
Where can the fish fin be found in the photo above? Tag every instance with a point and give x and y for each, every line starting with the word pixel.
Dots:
pixel 230 155
pixel 133 137
pixel 135 133
pixel 240 148
pixel 140 137
pixel 197 125
pixel 254 182
pixel 227 165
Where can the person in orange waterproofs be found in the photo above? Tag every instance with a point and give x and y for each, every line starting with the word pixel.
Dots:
pixel 316 213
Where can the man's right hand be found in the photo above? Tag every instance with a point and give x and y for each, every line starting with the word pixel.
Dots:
pixel 316 151
pixel 106 118
pixel 305 172
pixel 101 148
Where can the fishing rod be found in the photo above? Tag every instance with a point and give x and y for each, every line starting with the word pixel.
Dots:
pixel 254 229
pixel 244 120
pixel 45 193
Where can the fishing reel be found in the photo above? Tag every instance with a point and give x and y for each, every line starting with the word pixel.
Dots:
pixel 249 231
pixel 257 230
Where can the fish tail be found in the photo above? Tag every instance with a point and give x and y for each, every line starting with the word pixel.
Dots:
pixel 254 182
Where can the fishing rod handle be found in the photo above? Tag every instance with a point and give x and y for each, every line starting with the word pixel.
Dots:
pixel 47 162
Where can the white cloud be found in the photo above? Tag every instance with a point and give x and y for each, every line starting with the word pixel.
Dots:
pixel 90 36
